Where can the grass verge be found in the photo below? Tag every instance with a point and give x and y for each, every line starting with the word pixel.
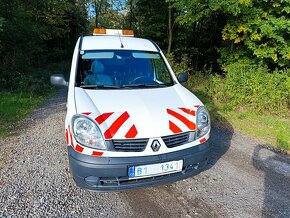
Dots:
pixel 33 90
pixel 267 128
pixel 271 129
pixel 14 107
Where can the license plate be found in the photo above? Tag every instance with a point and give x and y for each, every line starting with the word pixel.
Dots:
pixel 155 169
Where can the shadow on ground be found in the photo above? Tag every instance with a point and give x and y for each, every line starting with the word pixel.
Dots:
pixel 221 132
pixel 276 168
pixel 166 200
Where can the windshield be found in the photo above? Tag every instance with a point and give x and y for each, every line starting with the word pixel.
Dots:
pixel 122 69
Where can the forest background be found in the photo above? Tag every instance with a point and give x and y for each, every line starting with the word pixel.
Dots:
pixel 236 52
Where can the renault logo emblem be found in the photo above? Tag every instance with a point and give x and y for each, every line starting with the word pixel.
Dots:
pixel 155 145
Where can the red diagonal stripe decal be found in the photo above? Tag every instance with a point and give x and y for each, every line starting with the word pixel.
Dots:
pixel 79 148
pixel 97 153
pixel 100 119
pixel 187 122
pixel 190 112
pixel 132 132
pixel 116 125
pixel 202 140
pixel 86 113
pixel 174 128
pixel 71 140
pixel 66 136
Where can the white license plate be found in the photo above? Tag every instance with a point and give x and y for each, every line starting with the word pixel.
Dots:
pixel 155 169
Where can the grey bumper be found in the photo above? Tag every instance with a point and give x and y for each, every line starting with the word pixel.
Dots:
pixel 111 174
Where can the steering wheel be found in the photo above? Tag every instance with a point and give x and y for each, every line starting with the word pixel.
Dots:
pixel 141 79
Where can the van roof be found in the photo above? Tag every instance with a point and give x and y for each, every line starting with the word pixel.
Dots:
pixel 114 42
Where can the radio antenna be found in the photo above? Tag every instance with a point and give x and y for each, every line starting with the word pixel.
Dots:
pixel 121 41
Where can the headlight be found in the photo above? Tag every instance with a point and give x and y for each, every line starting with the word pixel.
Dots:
pixel 87 133
pixel 202 122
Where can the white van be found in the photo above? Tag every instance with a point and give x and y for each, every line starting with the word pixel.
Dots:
pixel 129 122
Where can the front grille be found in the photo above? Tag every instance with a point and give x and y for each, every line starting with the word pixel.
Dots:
pixel 130 145
pixel 172 141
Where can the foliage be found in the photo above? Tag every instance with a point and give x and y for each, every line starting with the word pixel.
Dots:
pixel 246 42
pixel 254 30
pixel 32 91
pixel 271 128
pixel 106 14
pixel 263 31
pixel 1 23
pixel 151 20
pixel 251 89
pixel 35 33
pixel 178 67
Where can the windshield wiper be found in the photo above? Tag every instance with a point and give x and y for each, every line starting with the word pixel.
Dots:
pixel 100 87
pixel 144 85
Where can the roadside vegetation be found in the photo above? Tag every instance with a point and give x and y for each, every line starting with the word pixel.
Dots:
pixel 266 118
pixel 253 100
pixel 36 40
pixel 14 107
pixel 237 53
pixel 32 91
pixel 246 79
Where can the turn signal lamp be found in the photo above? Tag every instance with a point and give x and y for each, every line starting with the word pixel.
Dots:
pixel 98 31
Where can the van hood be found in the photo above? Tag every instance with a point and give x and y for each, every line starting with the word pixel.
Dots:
pixel 139 113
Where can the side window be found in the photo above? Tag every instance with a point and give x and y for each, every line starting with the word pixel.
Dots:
pixel 84 69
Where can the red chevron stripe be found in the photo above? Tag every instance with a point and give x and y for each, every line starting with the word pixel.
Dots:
pixel 79 148
pixel 97 153
pixel 66 136
pixel 174 128
pixel 71 140
pixel 116 125
pixel 202 140
pixel 188 111
pixel 187 122
pixel 100 119
pixel 86 113
pixel 132 132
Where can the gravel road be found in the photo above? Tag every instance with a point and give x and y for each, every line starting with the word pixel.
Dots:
pixel 243 179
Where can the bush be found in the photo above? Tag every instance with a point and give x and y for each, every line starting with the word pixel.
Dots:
pixel 251 88
pixel 182 66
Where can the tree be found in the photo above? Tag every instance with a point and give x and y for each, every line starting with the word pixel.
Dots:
pixel 262 32
pixel 1 23
pixel 170 28
pixel 255 32
pixel 36 32
pixel 151 22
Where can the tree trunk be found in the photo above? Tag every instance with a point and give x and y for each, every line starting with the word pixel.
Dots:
pixel 98 8
pixel 170 29
pixel 131 15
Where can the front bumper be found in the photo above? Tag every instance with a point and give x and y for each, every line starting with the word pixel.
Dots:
pixel 104 174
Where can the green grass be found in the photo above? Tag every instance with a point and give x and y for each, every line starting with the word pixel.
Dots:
pixel 271 129
pixel 33 89
pixel 14 107
pixel 267 128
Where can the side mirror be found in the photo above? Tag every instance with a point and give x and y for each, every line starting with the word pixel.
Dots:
pixel 182 77
pixel 58 80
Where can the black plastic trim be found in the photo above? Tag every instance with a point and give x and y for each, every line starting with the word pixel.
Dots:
pixel 156 46
pixel 115 169
pixel 81 43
